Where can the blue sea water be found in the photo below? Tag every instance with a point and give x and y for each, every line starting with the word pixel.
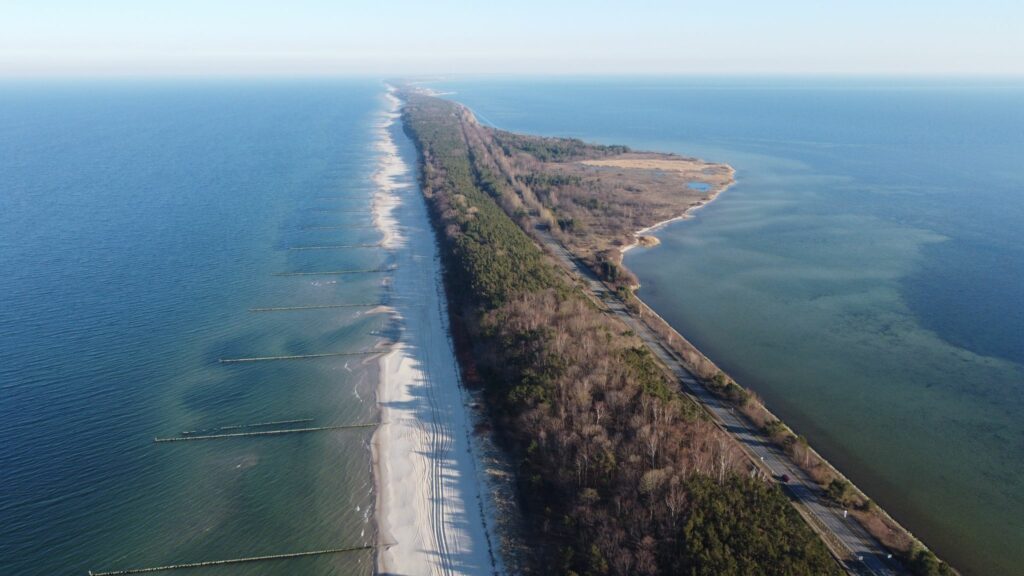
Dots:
pixel 139 221
pixel 865 275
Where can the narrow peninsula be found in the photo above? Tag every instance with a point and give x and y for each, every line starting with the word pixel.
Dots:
pixel 632 453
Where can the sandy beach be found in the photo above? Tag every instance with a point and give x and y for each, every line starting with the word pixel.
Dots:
pixel 433 510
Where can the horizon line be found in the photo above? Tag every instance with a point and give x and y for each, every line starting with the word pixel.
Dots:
pixel 439 77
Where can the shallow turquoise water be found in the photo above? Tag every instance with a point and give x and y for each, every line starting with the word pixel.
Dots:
pixel 138 223
pixel 865 275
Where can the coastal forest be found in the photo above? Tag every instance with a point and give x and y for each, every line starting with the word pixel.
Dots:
pixel 617 472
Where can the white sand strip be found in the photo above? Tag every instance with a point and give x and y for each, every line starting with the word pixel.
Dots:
pixel 431 512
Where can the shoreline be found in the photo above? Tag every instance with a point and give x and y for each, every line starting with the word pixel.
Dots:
pixel 382 206
pixel 433 513
pixel 686 215
pixel 703 366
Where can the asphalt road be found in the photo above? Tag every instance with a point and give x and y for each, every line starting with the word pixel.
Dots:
pixel 865 554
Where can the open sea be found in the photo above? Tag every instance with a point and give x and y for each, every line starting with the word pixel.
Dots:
pixel 139 223
pixel 865 275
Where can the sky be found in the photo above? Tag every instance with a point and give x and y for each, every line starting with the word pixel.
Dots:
pixel 386 37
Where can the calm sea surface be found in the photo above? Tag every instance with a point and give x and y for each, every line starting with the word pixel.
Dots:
pixel 138 224
pixel 865 275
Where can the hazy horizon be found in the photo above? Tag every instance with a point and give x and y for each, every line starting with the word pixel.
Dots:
pixel 316 38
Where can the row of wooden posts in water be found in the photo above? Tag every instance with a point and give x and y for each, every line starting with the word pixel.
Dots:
pixel 296 356
pixel 336 272
pixel 335 246
pixel 263 433
pixel 244 426
pixel 231 561
pixel 366 227
pixel 247 430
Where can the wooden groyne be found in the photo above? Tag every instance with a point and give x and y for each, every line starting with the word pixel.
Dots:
pixel 297 356
pixel 262 433
pixel 231 561
pixel 314 307
pixel 336 246
pixel 340 211
pixel 336 272
pixel 363 199
pixel 243 426
pixel 348 227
